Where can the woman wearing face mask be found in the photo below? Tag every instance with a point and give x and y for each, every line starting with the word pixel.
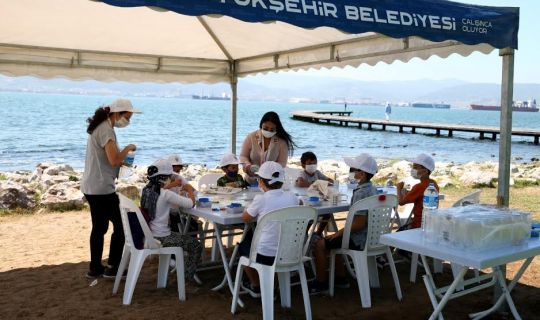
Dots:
pixel 422 166
pixel 103 159
pixel 269 143
pixel 158 202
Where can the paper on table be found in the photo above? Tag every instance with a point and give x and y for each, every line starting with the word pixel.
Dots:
pixel 223 190
pixel 321 188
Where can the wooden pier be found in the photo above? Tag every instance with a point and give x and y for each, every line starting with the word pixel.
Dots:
pixel 343 118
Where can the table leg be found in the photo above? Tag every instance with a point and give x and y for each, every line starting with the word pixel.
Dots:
pixel 233 258
pixel 447 294
pixel 218 232
pixel 506 289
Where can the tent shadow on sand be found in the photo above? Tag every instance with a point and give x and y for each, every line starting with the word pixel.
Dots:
pixel 62 292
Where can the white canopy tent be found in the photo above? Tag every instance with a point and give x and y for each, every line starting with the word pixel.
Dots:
pixel 81 39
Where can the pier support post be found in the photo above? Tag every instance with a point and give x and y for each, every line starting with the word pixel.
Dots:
pixel 400 129
pixel 450 133
pixel 481 136
pixel 438 132
pixel 536 139
pixel 413 129
pixel 493 136
pixel 384 127
pixel 359 125
pixel 369 126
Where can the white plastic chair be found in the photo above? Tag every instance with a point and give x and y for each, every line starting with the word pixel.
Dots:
pixel 136 256
pixel 468 199
pixel 471 198
pixel 209 179
pixel 379 209
pixel 293 223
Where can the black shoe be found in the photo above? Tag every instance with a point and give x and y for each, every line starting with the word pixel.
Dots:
pixel 93 274
pixel 110 273
pixel 254 291
pixel 317 288
pixel 341 282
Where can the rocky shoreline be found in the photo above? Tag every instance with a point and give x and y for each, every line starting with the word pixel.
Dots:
pixel 57 186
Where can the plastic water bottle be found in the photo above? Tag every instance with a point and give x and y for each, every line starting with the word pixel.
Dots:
pixel 129 159
pixel 431 202
pixel 125 170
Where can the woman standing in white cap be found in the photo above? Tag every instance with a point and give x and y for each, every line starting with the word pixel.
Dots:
pixel 102 163
pixel 422 166
pixel 269 143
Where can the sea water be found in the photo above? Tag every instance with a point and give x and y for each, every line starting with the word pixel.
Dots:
pixel 38 127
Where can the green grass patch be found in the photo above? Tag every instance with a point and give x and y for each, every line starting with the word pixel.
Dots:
pixel 3 177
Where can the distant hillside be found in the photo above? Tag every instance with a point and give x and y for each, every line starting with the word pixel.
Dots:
pixel 283 87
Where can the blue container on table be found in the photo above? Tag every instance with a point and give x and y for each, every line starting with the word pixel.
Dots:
pixel 204 202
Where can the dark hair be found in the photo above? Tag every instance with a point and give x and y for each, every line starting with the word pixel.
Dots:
pixel 273 186
pixel 307 156
pixel 369 176
pixel 101 114
pixel 280 131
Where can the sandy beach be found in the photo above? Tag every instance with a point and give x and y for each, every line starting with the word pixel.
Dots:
pixel 44 258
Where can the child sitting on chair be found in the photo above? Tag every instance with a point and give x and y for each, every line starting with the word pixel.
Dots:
pixel 229 164
pixel 310 173
pixel 362 169
pixel 422 166
pixel 271 177
pixel 157 202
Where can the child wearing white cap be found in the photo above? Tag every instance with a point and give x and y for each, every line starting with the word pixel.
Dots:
pixel 229 164
pixel 422 166
pixel 362 169
pixel 178 183
pixel 157 203
pixel 271 177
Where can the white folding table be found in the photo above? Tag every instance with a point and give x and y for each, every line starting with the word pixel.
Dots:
pixel 220 219
pixel 413 240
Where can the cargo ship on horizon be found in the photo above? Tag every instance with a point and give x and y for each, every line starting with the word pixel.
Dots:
pixel 519 106
pixel 430 105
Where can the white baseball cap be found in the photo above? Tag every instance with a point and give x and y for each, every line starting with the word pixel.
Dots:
pixel 175 160
pixel 163 166
pixel 122 105
pixel 425 161
pixel 268 171
pixel 363 161
pixel 228 158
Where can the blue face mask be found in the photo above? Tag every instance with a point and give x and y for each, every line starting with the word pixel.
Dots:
pixel 232 174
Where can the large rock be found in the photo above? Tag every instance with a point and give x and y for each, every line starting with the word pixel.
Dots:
pixel 129 190
pixel 63 196
pixel 14 195
pixel 477 178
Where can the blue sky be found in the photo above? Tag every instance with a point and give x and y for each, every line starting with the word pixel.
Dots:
pixel 477 67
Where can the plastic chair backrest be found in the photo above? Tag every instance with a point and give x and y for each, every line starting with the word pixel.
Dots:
pixel 210 178
pixel 293 223
pixel 127 205
pixel 379 217
pixel 471 198
pixel 292 173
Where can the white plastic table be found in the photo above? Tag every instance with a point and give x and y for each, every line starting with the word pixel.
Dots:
pixel 413 240
pixel 220 219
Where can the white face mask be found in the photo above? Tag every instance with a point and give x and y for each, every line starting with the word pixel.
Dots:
pixel 267 134
pixel 414 174
pixel 352 176
pixel 311 168
pixel 121 123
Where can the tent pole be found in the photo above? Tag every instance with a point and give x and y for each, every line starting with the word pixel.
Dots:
pixel 234 97
pixel 505 142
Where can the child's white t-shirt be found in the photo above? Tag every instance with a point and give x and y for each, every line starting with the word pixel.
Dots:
pixel 263 204
pixel 167 200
